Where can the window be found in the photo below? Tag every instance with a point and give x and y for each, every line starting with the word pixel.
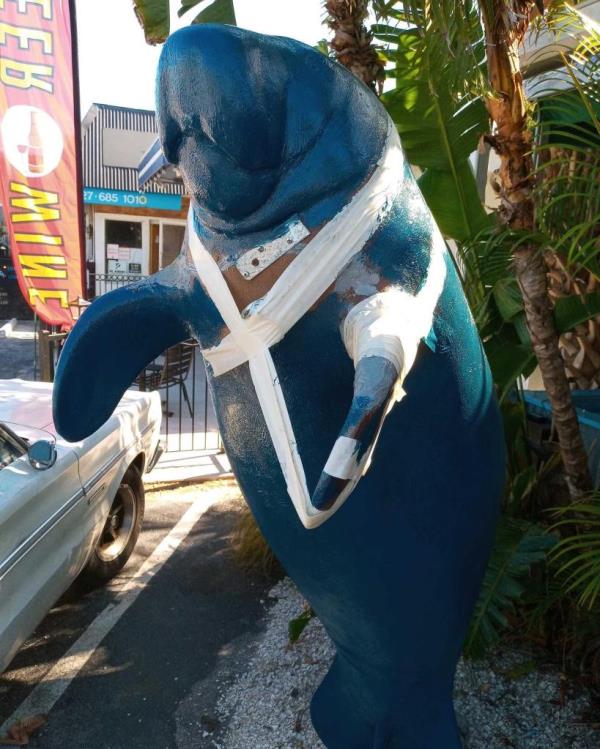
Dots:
pixel 123 241
pixel 11 447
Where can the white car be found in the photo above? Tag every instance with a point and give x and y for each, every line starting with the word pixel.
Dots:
pixel 66 509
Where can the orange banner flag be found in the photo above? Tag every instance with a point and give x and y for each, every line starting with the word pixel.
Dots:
pixel 40 170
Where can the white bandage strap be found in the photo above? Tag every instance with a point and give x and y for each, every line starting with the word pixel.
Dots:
pixel 371 329
pixel 390 324
pixel 393 322
pixel 318 265
pixel 343 460
pixel 298 288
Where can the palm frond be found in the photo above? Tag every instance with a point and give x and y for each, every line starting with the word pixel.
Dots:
pixel 578 555
pixel 567 151
pixel 519 545
pixel 567 183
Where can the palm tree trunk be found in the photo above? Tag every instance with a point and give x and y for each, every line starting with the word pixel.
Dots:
pixel 505 25
pixel 352 42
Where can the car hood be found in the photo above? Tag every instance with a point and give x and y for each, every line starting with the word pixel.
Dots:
pixel 26 407
pixel 28 404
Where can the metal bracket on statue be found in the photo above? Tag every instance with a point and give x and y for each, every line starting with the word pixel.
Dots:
pixel 259 258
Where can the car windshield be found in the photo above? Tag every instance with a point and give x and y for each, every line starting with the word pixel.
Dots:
pixel 11 446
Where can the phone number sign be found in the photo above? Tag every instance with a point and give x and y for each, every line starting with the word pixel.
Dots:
pixel 124 199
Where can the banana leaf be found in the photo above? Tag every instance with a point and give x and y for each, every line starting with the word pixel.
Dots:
pixel 154 18
pixel 508 360
pixel 218 11
pixel 439 132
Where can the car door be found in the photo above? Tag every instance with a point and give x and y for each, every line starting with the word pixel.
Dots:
pixel 105 455
pixel 44 538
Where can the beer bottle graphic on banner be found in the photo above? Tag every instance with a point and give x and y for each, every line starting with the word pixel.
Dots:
pixel 35 146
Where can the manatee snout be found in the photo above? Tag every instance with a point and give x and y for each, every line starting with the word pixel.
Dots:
pixel 243 115
pixel 226 128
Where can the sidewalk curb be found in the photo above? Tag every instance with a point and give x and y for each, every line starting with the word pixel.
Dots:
pixel 173 483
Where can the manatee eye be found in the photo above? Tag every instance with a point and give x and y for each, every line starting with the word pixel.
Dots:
pixel 176 131
pixel 171 142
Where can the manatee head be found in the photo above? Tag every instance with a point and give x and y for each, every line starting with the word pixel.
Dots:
pixel 263 127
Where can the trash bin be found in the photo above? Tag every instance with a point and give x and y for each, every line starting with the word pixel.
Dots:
pixel 587 405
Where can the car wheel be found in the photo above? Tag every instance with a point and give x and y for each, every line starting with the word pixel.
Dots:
pixel 120 532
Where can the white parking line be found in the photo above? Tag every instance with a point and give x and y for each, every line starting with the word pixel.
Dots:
pixel 48 691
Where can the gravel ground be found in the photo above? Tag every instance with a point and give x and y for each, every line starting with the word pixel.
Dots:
pixel 502 701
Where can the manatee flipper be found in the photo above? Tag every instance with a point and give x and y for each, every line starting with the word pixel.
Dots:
pixel 374 386
pixel 115 338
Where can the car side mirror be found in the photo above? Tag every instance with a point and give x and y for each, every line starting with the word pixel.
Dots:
pixel 42 455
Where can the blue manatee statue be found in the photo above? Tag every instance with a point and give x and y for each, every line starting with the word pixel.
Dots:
pixel 352 392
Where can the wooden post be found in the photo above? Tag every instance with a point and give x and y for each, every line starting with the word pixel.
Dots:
pixel 45 356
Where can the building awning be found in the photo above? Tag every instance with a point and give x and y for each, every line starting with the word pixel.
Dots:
pixel 154 169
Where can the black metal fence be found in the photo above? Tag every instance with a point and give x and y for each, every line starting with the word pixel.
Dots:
pixel 100 283
pixel 189 420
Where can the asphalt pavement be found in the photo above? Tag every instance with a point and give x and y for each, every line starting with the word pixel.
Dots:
pixel 154 679
pixel 17 356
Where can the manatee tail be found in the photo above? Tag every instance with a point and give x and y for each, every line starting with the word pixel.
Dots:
pixel 411 716
pixel 112 342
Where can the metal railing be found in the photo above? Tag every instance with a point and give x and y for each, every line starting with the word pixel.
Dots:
pixel 189 422
pixel 100 283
